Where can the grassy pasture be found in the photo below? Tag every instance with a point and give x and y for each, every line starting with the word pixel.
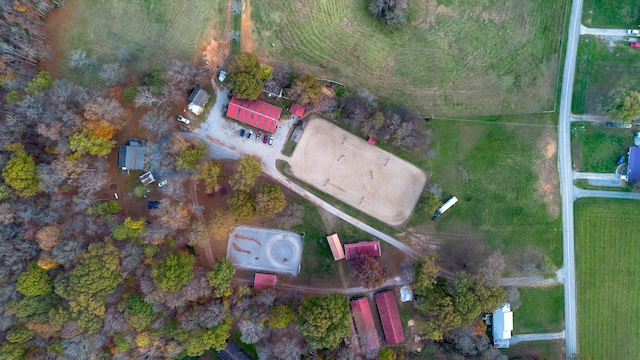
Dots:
pixel 542 310
pixel 607 254
pixel 611 14
pixel 455 57
pixel 601 69
pixel 597 147
pixel 150 31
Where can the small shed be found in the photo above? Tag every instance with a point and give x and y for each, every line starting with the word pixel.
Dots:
pixel 264 281
pixel 297 110
pixel 131 156
pixel 336 247
pixel 367 248
pixel 406 294
pixel 197 100
pixel 502 326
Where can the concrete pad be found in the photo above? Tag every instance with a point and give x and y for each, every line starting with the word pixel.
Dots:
pixel 267 250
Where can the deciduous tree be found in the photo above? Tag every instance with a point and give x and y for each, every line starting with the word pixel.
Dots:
pixel 129 229
pixel 269 201
pixel 84 142
pixel 368 270
pixel 189 158
pixel 39 83
pixel 20 171
pixel 220 224
pixel 34 281
pixel 624 105
pixel 156 121
pixel 324 321
pixel 220 277
pixel 211 171
pixel 173 215
pixel 244 76
pixel 111 74
pixel 247 173
pixel 173 271
pixel 48 236
pixel 280 317
pixel 138 312
pixel 425 274
pixel 306 89
pixel 241 206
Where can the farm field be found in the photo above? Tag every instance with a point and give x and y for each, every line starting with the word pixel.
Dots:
pixel 601 69
pixel 618 14
pixel 460 57
pixel 596 148
pixel 542 310
pixel 505 177
pixel 607 265
pixel 148 31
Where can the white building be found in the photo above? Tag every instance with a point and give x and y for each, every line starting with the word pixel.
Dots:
pixel 502 326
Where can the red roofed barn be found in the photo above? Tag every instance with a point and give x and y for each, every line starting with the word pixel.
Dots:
pixel 390 318
pixel 368 248
pixel 256 113
pixel 297 110
pixel 264 282
pixel 365 327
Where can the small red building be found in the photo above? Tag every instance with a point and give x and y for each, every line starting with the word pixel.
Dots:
pixel 264 282
pixel 390 318
pixel 368 248
pixel 256 113
pixel 297 110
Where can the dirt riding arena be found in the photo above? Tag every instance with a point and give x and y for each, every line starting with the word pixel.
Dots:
pixel 265 250
pixel 356 172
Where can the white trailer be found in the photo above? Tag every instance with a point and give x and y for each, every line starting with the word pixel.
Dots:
pixel 449 203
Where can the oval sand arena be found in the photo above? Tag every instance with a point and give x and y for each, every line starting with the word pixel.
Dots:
pixel 356 172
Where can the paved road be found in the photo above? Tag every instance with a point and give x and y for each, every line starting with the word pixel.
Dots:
pixel 566 179
pixel 536 337
pixel 602 32
pixel 595 176
pixel 232 352
pixel 581 193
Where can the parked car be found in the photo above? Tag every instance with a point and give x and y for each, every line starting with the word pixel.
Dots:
pixel 634 44
pixel 183 128
pixel 620 160
pixel 270 140
pixel 162 183
pixel 265 139
pixel 183 119
pixel 153 204
pixel 258 135
pixel 633 32
pixel 242 132
pixel 249 134
pixel 611 124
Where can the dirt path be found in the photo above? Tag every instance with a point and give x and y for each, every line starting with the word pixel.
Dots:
pixel 246 40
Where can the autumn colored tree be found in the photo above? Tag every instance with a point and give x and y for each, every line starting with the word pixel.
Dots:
pixel 48 236
pixel 368 270
pixel 425 274
pixel 85 142
pixel 220 224
pixel 623 105
pixel 200 340
pixel 281 316
pixel 211 171
pixel 324 321
pixel 173 271
pixel 34 281
pixel 173 215
pixel 244 76
pixel 241 206
pixel 189 158
pixel 220 277
pixel 20 172
pixel 269 201
pixel 306 89
pixel 129 229
pixel 247 173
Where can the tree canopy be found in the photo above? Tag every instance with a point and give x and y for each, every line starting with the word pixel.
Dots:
pixel 244 76
pixel 306 89
pixel 189 158
pixel 425 274
pixel 173 271
pixel 324 321
pixel 241 206
pixel 269 201
pixel 247 173
pixel 624 105
pixel 34 281
pixel 129 229
pixel 280 317
pixel 138 312
pixel 85 142
pixel 20 172
pixel 368 270
pixel 220 277
pixel 211 171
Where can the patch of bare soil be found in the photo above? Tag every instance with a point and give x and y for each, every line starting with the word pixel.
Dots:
pixel 548 184
pixel 215 52
pixel 246 40
pixel 432 13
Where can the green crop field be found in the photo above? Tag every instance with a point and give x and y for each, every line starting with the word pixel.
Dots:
pixel 451 57
pixel 617 14
pixel 601 68
pixel 150 31
pixel 607 254
pixel 542 310
pixel 596 148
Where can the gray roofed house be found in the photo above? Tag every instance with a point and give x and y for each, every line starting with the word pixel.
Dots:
pixel 197 100
pixel 132 155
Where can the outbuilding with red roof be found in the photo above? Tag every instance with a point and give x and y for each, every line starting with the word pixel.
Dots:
pixel 390 318
pixel 367 248
pixel 264 281
pixel 365 327
pixel 256 113
pixel 297 110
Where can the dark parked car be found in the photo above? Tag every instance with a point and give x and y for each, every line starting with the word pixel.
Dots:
pixel 153 204
pixel 265 139
pixel 183 128
pixel 249 134
pixel 242 133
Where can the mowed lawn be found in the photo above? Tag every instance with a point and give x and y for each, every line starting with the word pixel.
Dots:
pixel 601 69
pixel 617 14
pixel 149 31
pixel 596 148
pixel 451 58
pixel 542 310
pixel 607 253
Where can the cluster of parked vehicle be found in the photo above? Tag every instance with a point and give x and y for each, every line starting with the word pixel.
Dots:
pixel 249 134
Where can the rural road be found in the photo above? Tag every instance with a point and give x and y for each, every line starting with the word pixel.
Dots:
pixel 602 32
pixel 581 193
pixel 536 337
pixel 566 179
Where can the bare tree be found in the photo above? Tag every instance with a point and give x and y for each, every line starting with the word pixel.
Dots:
pixel 7 213
pixel 174 189
pixel 145 97
pixel 264 350
pixel 111 74
pixel 251 331
pixel 157 121
pixel 106 109
pixel 213 314
pixel 198 233
pixel 234 35
pixel 236 7
pixel 282 74
pixel 512 296
pixel 48 236
pixel 288 348
pixel 492 271
pixel 180 77
pixel 435 189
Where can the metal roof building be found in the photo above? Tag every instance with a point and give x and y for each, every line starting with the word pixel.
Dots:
pixel 336 247
pixel 390 317
pixel 264 281
pixel 198 99
pixel 502 326
pixel 297 110
pixel 365 327
pixel 256 113
pixel 131 156
pixel 368 248
pixel 633 170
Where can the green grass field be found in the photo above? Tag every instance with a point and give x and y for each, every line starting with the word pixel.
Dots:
pixel 607 264
pixel 617 14
pixel 547 350
pixel 150 31
pixel 596 147
pixel 601 69
pixel 454 57
pixel 542 310
pixel 491 168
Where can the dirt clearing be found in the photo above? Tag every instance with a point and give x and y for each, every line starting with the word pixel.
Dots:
pixel 356 172
pixel 548 178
